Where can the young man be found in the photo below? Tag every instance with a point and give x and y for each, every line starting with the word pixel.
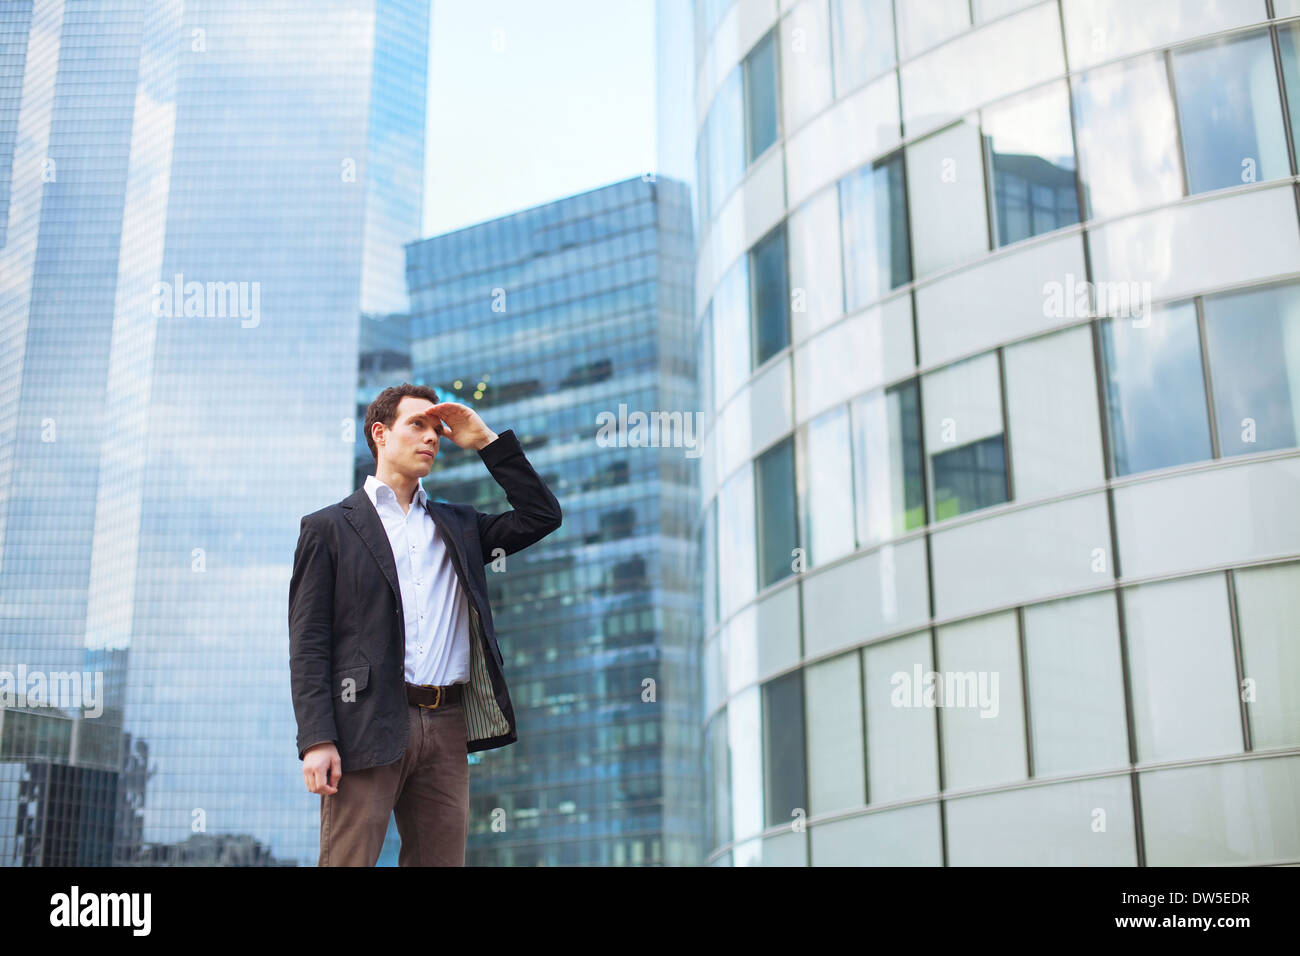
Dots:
pixel 393 657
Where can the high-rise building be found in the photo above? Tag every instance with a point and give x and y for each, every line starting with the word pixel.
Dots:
pixel 202 203
pixel 565 322
pixel 998 310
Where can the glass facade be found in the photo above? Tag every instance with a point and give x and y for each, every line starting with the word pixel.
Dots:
pixel 552 321
pixel 195 229
pixel 1000 550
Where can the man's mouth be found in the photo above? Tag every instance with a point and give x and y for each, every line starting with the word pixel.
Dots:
pixel 429 453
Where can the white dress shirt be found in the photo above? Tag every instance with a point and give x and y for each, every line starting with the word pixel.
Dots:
pixel 433 602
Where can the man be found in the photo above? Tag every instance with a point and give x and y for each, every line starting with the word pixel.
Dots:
pixel 393 658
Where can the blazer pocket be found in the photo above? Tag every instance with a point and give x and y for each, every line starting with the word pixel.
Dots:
pixel 355 678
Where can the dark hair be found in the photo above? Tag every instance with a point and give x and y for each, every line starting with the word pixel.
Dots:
pixel 384 408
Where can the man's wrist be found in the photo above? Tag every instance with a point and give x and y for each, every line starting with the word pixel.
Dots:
pixel 487 440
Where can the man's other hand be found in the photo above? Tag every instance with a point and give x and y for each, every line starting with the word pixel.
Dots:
pixel 321 768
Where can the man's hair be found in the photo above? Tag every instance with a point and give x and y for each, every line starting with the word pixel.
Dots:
pixel 384 408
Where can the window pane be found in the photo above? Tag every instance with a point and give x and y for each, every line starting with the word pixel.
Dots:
pixel 1268 606
pixel 783 753
pixel 902 749
pixel 771 307
pixel 1052 414
pixel 862 32
pixel 721 157
pixel 982 712
pixel 1288 37
pixel 887 463
pixel 923 25
pixel 806 77
pixel 718 772
pixel 1040 826
pixel 969 478
pixel 745 757
pixel 705 346
pixel 1226 813
pixel 835 770
pixel 709 559
pixel 1127 146
pixel 1031 157
pixel 815 268
pixel 774 474
pixel 826 486
pixel 736 550
pixel 963 413
pixel 1156 390
pixel 1230 114
pixel 945 186
pixel 874 225
pixel 1254 355
pixel 730 309
pixel 761 97
pixel 908 836
pixel 1183 673
pixel 1076 685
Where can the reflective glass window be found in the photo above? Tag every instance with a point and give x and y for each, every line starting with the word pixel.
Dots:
pixel 1128 149
pixel 1031 162
pixel 1230 113
pixel 775 501
pixel 873 221
pixel 1253 340
pixel 889 491
pixel 1155 390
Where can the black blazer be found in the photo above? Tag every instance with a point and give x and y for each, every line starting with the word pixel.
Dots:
pixel 346 623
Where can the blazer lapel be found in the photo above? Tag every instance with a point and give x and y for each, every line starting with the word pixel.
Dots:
pixel 363 517
pixel 444 521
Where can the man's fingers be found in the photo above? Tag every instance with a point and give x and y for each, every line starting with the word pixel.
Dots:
pixel 323 779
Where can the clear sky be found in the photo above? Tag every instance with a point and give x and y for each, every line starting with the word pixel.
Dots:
pixel 532 100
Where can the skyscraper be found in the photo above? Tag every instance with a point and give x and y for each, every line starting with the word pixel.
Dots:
pixel 998 310
pixel 204 200
pixel 565 322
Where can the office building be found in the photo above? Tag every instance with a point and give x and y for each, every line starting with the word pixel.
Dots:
pixel 998 310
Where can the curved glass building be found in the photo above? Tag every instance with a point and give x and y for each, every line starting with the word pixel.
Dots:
pixel 998 306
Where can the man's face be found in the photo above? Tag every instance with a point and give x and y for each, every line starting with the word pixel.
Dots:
pixel 411 445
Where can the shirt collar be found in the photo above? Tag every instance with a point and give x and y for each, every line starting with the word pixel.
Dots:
pixel 374 487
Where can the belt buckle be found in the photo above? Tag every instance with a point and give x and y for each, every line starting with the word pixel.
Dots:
pixel 437 699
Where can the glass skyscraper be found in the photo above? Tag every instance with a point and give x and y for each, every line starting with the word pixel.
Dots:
pixel 998 310
pixel 564 322
pixel 204 201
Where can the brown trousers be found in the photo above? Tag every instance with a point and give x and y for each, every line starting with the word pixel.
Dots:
pixel 427 790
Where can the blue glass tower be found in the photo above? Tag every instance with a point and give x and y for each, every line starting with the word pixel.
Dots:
pixel 204 199
pixel 552 321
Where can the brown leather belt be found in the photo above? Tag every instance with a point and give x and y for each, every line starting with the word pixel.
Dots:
pixel 433 696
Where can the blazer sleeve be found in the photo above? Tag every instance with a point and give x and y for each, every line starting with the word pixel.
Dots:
pixel 536 511
pixel 311 619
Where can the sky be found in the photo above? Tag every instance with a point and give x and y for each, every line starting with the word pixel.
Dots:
pixel 531 101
